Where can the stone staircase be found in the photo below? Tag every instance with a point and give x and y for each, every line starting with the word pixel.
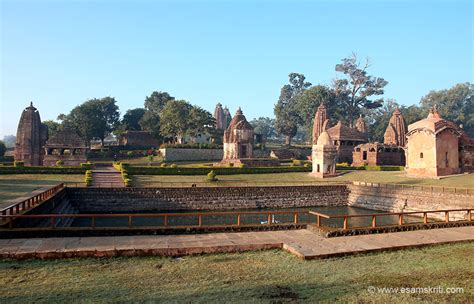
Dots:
pixel 106 177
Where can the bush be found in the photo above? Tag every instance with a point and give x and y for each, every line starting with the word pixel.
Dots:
pixel 41 170
pixel 242 166
pixel 307 165
pixel 86 166
pixel 130 153
pixel 147 170
pixel 19 164
pixel 212 177
pixel 296 162
pixel 59 163
pixel 163 165
pixel 191 146
pixel 384 168
pixel 174 166
pixel 343 164
pixel 150 158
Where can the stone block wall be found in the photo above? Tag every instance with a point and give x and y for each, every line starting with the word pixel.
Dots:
pixel 95 200
pixel 406 200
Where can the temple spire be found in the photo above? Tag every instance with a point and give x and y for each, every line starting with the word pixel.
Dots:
pixel 320 122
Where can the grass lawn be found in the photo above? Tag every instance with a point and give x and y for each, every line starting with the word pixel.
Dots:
pixel 16 185
pixel 252 277
pixel 365 176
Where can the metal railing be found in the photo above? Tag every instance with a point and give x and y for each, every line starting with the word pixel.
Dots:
pixel 270 218
pixel 25 204
pixel 400 215
pixel 425 188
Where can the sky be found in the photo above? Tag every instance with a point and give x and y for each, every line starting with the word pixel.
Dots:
pixel 59 54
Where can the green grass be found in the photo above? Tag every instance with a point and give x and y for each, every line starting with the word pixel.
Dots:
pixel 365 176
pixel 252 277
pixel 16 185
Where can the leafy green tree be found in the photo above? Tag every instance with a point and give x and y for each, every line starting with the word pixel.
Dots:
pixel 264 126
pixel 356 90
pixel 174 119
pixel 150 122
pixel 309 101
pixel 199 121
pixel 455 104
pixel 3 149
pixel 131 120
pixel 157 101
pixel 95 118
pixel 287 118
pixel 53 127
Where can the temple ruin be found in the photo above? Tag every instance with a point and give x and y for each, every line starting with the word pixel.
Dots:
pixel 437 147
pixel 361 125
pixel 345 139
pixel 238 138
pixel 219 117
pixel 320 123
pixel 139 139
pixel 66 146
pixel 395 132
pixel 324 156
pixel 30 138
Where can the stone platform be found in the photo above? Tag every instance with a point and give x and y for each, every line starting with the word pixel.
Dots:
pixel 303 243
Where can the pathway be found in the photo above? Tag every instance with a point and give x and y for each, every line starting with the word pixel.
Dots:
pixel 302 243
pixel 106 177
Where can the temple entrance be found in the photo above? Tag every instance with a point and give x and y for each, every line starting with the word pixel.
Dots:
pixel 243 151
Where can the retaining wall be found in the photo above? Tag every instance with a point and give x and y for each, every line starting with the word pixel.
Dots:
pixel 96 200
pixel 406 200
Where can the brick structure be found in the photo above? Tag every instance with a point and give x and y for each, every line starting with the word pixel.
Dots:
pixel 238 138
pixel 437 147
pixel 66 146
pixel 138 139
pixel 345 139
pixel 377 154
pixel 395 132
pixel 320 123
pixel 227 117
pixel 219 116
pixel 324 157
pixel 30 138
pixel 361 126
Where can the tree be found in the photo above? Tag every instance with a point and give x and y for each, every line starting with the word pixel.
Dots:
pixel 157 101
pixel 455 104
pixel 308 102
pixel 355 90
pixel 9 141
pixel 150 122
pixel 264 126
pixel 53 127
pixel 131 120
pixel 3 149
pixel 287 118
pixel 200 121
pixel 95 118
pixel 174 119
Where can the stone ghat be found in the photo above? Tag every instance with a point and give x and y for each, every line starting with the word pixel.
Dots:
pixel 406 200
pixel 95 200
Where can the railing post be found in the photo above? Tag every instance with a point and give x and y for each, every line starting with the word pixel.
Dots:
pixel 269 219
pixel 318 221
pixel 446 216
pixel 425 218
pixel 469 215
pixel 200 220
pixel 374 221
pixel 93 222
pixel 238 219
pixel 346 219
pixel 165 221
pixel 295 217
pixel 400 219
pixel 129 221
pixel 53 222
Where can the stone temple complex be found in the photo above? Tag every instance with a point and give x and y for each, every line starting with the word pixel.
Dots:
pixel 437 147
pixel 390 153
pixel 222 117
pixel 345 139
pixel 30 138
pixel 238 138
pixel 66 146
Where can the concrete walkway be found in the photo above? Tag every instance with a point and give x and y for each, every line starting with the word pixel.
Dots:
pixel 106 177
pixel 303 243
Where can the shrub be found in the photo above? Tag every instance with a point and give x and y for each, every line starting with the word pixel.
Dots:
pixel 212 177
pixel 343 164
pixel 307 165
pixel 163 165
pixel 384 168
pixel 147 170
pixel 174 166
pixel 59 163
pixel 242 166
pixel 130 153
pixel 19 164
pixel 86 166
pixel 41 170
pixel 296 162
pixel 150 158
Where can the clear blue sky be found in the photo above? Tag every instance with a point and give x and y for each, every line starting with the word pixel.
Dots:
pixel 61 53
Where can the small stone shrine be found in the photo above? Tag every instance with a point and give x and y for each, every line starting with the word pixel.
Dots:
pixel 66 146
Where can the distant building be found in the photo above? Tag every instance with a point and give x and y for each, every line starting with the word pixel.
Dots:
pixel 66 146
pixel 30 138
pixel 345 139
pixel 361 125
pixel 437 147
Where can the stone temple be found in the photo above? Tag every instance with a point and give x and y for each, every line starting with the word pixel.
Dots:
pixel 324 156
pixel 437 147
pixel 66 146
pixel 238 138
pixel 30 138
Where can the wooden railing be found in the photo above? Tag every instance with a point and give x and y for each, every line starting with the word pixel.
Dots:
pixel 425 188
pixel 400 215
pixel 270 217
pixel 20 206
